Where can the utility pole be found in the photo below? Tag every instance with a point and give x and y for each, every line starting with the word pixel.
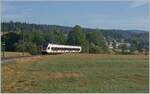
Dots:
pixel 3 45
pixel 22 42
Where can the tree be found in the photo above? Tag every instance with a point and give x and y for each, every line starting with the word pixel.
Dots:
pixel 36 37
pixel 77 37
pixel 132 48
pixel 48 37
pixel 28 47
pixel 97 41
pixel 124 48
pixel 10 39
pixel 93 48
pixel 54 36
pixel 32 48
pixel 96 37
pixel 58 36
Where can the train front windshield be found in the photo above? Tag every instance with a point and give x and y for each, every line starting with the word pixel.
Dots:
pixel 44 46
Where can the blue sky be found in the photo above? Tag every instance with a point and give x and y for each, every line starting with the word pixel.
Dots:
pixel 93 14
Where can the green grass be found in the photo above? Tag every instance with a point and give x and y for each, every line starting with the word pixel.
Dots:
pixel 77 73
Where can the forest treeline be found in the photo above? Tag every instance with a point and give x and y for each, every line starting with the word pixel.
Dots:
pixel 29 37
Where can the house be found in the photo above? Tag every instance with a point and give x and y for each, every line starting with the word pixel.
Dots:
pixel 115 44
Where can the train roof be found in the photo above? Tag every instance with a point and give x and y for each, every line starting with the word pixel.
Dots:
pixel 59 45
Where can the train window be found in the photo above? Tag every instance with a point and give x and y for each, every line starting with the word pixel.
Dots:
pixel 44 46
pixel 56 48
pixel 48 48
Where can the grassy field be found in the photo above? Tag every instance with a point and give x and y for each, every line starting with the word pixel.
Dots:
pixel 77 73
pixel 14 54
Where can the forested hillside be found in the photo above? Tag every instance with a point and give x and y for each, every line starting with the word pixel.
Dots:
pixel 115 34
pixel 92 40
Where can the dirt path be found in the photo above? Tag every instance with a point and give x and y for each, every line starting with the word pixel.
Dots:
pixel 7 59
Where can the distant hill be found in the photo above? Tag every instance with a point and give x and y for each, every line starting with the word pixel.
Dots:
pixel 110 34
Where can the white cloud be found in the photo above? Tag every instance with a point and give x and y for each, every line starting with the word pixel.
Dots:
pixel 138 3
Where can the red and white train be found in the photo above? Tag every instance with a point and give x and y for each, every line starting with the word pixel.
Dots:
pixel 56 49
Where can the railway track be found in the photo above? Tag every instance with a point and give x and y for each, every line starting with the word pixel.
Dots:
pixel 7 59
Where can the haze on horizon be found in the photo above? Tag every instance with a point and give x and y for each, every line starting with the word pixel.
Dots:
pixel 125 15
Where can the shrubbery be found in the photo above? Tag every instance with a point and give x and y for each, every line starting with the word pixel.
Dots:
pixel 27 47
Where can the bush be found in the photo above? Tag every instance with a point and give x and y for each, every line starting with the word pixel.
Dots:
pixel 32 48
pixel 94 49
pixel 27 47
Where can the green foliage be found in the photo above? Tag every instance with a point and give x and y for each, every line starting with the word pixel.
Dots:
pixel 41 34
pixel 27 47
pixel 97 42
pixel 94 49
pixel 124 48
pixel 32 48
pixel 77 37
pixel 10 39
pixel 129 36
pixel 57 36
pixel 140 42
pixel 48 37
pixel 54 36
pixel 36 37
pixel 132 49
pixel 96 37
pixel 19 46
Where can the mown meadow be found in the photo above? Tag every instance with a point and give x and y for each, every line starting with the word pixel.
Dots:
pixel 80 73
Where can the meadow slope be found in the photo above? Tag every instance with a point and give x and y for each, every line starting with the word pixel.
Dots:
pixel 77 73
